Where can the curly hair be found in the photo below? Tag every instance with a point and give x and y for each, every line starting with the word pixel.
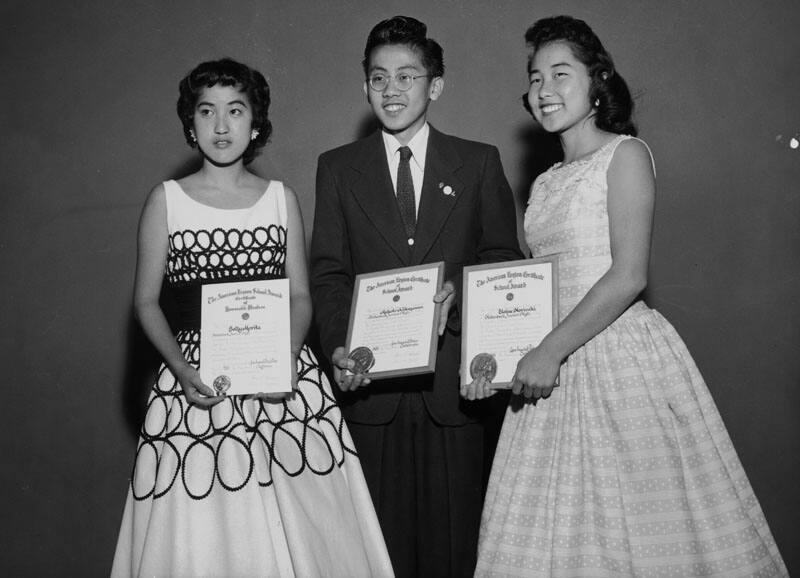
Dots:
pixel 409 32
pixel 614 111
pixel 227 72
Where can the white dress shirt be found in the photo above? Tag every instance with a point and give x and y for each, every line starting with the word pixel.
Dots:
pixel 419 146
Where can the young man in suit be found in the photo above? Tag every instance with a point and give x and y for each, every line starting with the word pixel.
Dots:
pixel 408 195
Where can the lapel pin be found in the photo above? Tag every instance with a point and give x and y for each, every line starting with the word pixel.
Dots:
pixel 447 190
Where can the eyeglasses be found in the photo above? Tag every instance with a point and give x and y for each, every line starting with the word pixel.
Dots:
pixel 403 81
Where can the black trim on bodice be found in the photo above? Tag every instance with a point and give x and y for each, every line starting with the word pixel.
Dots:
pixel 201 257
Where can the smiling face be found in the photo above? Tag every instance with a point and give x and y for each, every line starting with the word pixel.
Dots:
pixel 559 89
pixel 401 113
pixel 222 122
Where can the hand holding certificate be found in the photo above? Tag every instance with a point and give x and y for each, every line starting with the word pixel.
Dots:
pixel 393 321
pixel 244 337
pixel 508 309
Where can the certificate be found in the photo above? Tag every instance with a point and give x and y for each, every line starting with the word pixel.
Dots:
pixel 393 321
pixel 508 308
pixel 244 337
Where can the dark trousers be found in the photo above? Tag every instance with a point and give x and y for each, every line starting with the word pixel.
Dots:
pixel 426 482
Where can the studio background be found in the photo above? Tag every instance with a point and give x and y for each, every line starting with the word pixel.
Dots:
pixel 89 127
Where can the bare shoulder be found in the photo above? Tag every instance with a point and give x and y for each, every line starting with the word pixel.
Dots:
pixel 632 154
pixel 292 202
pixel 289 192
pixel 157 197
pixel 631 174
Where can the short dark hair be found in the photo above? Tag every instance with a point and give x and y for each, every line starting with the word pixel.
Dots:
pixel 227 72
pixel 409 32
pixel 614 111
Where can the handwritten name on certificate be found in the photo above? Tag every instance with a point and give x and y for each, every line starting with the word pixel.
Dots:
pixel 508 309
pixel 244 337
pixel 393 321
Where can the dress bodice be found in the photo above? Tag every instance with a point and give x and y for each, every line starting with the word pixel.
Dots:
pixel 567 215
pixel 211 245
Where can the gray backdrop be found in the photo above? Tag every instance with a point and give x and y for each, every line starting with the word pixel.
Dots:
pixel 88 127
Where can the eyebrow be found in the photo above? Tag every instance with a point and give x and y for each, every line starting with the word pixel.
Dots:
pixel 206 103
pixel 404 67
pixel 556 65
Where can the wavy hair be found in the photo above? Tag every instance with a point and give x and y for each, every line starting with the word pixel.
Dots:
pixel 614 110
pixel 409 32
pixel 227 72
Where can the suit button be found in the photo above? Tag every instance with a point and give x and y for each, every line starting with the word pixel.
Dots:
pixel 411 242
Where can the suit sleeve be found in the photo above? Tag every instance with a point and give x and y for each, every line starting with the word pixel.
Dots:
pixel 498 225
pixel 331 267
pixel 498 214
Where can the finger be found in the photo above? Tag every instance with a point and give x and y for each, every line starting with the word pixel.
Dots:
pixel 204 390
pixel 344 381
pixel 442 321
pixel 345 363
pixel 480 385
pixel 207 401
pixel 528 391
pixel 359 380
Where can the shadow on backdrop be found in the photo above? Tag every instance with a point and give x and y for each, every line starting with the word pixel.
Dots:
pixel 142 360
pixel 367 125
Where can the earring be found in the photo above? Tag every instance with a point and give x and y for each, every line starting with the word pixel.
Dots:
pixel 254 134
pixel 194 138
pixel 597 103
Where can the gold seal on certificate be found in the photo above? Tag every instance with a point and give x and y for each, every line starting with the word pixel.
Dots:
pixel 221 384
pixel 244 337
pixel 508 308
pixel 364 359
pixel 483 365
pixel 393 320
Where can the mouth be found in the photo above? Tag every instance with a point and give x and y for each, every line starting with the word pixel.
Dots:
pixel 222 143
pixel 551 108
pixel 393 107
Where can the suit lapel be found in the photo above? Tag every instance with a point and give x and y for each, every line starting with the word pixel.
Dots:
pixel 441 164
pixel 374 193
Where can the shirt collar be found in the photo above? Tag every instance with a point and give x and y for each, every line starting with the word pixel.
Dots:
pixel 418 145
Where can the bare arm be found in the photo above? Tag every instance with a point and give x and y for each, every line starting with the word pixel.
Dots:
pixel 631 200
pixel 297 272
pixel 151 259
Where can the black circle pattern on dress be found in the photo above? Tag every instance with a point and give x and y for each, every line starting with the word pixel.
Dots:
pixel 241 439
pixel 220 255
pixel 186 442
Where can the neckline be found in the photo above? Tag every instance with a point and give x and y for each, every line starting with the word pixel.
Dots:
pixel 196 202
pixel 586 158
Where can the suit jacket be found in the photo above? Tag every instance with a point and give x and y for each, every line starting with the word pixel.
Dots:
pixel 358 229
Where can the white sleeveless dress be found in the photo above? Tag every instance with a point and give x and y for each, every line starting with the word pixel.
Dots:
pixel 249 488
pixel 626 469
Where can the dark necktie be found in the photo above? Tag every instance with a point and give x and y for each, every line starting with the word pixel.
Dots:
pixel 405 192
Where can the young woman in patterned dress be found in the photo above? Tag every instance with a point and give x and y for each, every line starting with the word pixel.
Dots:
pixel 264 485
pixel 613 460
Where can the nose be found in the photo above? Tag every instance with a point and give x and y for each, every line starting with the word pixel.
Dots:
pixel 220 124
pixel 391 87
pixel 544 89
